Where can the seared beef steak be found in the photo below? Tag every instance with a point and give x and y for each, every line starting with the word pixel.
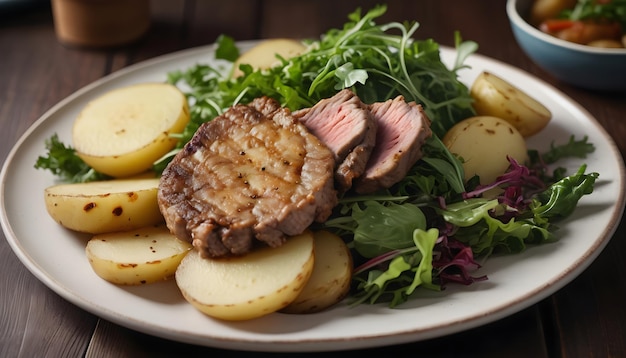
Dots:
pixel 402 130
pixel 345 125
pixel 253 174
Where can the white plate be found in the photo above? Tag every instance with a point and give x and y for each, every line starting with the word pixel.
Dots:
pixel 57 258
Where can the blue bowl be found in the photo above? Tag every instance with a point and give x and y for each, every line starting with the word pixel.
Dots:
pixel 579 65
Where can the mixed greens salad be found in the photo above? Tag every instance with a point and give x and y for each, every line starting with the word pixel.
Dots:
pixel 428 230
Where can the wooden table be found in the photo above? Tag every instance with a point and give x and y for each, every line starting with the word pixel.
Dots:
pixel 587 318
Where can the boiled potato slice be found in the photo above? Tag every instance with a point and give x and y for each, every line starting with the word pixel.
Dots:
pixel 484 143
pixel 104 206
pixel 330 281
pixel 136 257
pixel 249 286
pixel 124 131
pixel 496 97
pixel 263 55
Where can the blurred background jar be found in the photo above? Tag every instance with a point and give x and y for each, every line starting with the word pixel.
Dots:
pixel 100 23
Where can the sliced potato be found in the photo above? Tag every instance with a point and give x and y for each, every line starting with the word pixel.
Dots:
pixel 123 132
pixel 249 286
pixel 330 281
pixel 263 55
pixel 136 257
pixel 484 143
pixel 496 97
pixel 105 206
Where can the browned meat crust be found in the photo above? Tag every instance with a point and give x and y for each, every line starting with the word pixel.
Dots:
pixel 252 175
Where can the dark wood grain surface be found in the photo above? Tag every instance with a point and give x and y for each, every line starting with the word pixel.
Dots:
pixel 586 318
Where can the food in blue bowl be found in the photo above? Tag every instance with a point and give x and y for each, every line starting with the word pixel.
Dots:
pixel 586 56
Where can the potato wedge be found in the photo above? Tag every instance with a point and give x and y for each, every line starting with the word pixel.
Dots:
pixel 249 286
pixel 123 132
pixel 136 257
pixel 263 55
pixel 496 97
pixel 105 206
pixel 484 143
pixel 330 281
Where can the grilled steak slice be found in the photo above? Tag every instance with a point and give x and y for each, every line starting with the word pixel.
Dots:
pixel 345 125
pixel 246 178
pixel 402 130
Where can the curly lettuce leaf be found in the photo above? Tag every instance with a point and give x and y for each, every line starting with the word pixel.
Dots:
pixel 484 233
pixel 62 161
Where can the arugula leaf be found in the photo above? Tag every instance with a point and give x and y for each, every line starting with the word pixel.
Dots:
pixel 438 174
pixel 573 148
pixel 560 199
pixel 349 76
pixel 464 50
pixel 226 48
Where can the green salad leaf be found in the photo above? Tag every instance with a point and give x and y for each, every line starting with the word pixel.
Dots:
pixel 227 48
pixel 410 269
pixel 485 234
pixel 63 162
pixel 560 199
pixel 392 221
